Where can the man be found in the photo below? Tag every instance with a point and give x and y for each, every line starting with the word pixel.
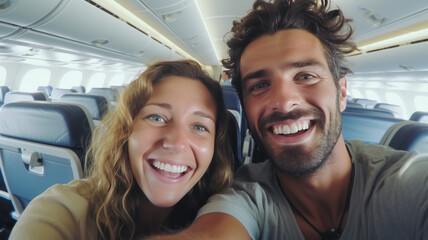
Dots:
pixel 225 79
pixel 287 62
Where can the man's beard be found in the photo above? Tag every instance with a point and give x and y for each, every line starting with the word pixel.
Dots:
pixel 295 160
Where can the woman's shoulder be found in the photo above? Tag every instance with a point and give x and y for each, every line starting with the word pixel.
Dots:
pixel 62 210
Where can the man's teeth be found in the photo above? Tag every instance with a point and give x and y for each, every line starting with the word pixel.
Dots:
pixel 169 168
pixel 291 129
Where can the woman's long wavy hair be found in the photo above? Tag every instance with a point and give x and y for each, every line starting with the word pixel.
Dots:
pixel 314 16
pixel 114 193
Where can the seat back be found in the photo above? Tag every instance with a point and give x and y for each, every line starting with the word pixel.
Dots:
pixel 97 105
pixel 3 91
pixel 419 116
pixel 233 104
pixel 367 128
pixel 370 111
pixel 58 92
pixel 45 89
pixel 17 96
pixel 109 93
pixel 79 89
pixel 234 138
pixel 354 104
pixel 41 144
pixel 408 136
pixel 367 103
pixel 395 109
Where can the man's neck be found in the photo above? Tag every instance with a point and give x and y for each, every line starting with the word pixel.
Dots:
pixel 321 196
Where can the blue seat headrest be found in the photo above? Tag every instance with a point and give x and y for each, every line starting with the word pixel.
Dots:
pixel 58 124
pixel 96 104
pixel 24 96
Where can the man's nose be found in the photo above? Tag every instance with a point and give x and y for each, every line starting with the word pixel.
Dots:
pixel 285 95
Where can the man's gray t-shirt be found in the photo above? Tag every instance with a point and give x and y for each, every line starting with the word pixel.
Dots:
pixel 389 198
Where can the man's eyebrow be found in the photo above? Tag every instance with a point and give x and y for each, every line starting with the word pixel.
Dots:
pixel 306 63
pixel 256 74
pixel 297 64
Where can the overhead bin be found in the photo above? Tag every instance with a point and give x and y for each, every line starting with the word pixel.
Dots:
pixel 7 29
pixel 180 21
pixel 27 12
pixel 54 43
pixel 83 22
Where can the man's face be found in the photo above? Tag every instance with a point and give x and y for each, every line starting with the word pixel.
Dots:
pixel 292 104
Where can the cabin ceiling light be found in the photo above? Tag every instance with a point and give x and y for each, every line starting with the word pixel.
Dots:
pixel 398 40
pixel 128 16
pixel 100 42
pixel 372 17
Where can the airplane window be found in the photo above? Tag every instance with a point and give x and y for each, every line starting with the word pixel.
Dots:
pixel 421 103
pixel 373 95
pixel 394 98
pixel 97 80
pixel 117 80
pixel 2 75
pixel 34 78
pixel 70 79
pixel 356 93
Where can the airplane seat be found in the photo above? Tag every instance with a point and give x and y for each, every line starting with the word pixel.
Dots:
pixel 97 105
pixel 45 89
pixel 395 109
pixel 354 104
pixel 419 116
pixel 370 111
pixel 58 92
pixel 16 96
pixel 233 103
pixel 41 144
pixel 364 127
pixel 79 89
pixel 109 93
pixel 234 137
pixel 367 103
pixel 407 136
pixel 3 91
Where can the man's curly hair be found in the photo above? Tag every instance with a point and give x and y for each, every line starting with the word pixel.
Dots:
pixel 310 15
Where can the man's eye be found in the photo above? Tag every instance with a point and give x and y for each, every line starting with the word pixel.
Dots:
pixel 259 85
pixel 156 118
pixel 306 77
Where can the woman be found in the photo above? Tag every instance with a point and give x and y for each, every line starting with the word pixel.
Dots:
pixel 153 161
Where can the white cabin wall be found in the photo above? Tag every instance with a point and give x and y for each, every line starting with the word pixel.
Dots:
pixel 407 85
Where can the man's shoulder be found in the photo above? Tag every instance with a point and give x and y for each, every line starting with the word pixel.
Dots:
pixel 375 153
pixel 254 172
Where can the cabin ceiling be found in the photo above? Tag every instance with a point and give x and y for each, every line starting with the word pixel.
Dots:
pixel 77 29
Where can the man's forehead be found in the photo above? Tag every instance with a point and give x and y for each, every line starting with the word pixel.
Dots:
pixel 287 45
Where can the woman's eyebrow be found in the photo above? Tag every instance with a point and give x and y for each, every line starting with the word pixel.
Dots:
pixel 162 105
pixel 204 115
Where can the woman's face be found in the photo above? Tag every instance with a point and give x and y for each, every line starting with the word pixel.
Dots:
pixel 172 142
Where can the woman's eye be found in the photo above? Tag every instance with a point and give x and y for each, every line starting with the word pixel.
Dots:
pixel 200 128
pixel 156 118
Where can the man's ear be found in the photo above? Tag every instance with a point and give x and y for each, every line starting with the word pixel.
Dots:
pixel 342 93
